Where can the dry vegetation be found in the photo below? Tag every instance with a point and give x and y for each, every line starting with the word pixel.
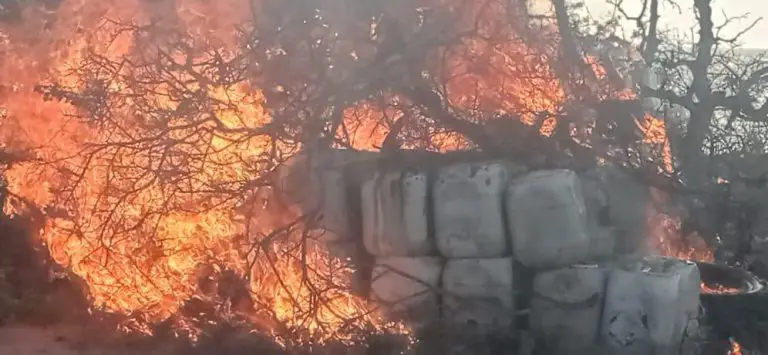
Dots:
pixel 149 134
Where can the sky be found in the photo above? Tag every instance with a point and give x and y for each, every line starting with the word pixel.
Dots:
pixel 684 20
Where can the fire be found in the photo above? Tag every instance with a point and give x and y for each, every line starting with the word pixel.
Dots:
pixel 719 289
pixel 655 133
pixel 142 200
pixel 664 229
pixel 665 234
pixel 735 348
pixel 170 172
pixel 666 238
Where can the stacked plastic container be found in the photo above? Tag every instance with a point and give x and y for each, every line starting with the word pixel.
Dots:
pixel 447 244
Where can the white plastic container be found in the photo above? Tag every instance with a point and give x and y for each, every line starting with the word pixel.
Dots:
pixel 317 182
pixel 479 291
pixel 567 306
pixel 469 222
pixel 548 219
pixel 394 211
pixel 650 306
pixel 407 288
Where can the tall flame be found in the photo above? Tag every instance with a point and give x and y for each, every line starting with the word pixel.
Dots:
pixel 145 194
pixel 665 233
pixel 140 204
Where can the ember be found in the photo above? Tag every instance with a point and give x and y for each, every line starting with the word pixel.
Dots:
pixel 720 289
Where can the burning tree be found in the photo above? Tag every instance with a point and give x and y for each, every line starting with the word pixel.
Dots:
pixel 711 93
pixel 165 123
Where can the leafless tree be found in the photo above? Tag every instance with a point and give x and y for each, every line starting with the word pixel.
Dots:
pixel 712 94
pixel 710 76
pixel 428 75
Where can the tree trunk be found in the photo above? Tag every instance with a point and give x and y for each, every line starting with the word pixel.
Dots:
pixel 694 159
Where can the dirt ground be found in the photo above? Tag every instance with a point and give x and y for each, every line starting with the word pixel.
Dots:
pixel 64 340
pixel 29 340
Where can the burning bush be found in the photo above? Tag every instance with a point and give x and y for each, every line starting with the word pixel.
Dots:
pixel 158 128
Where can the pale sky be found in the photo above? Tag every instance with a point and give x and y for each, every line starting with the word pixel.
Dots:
pixel 683 21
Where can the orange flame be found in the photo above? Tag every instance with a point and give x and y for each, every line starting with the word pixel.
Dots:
pixel 719 289
pixel 665 235
pixel 142 215
pixel 735 348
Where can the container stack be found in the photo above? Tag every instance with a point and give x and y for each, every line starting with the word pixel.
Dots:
pixel 449 244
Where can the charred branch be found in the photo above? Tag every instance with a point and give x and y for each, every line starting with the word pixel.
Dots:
pixel 186 129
